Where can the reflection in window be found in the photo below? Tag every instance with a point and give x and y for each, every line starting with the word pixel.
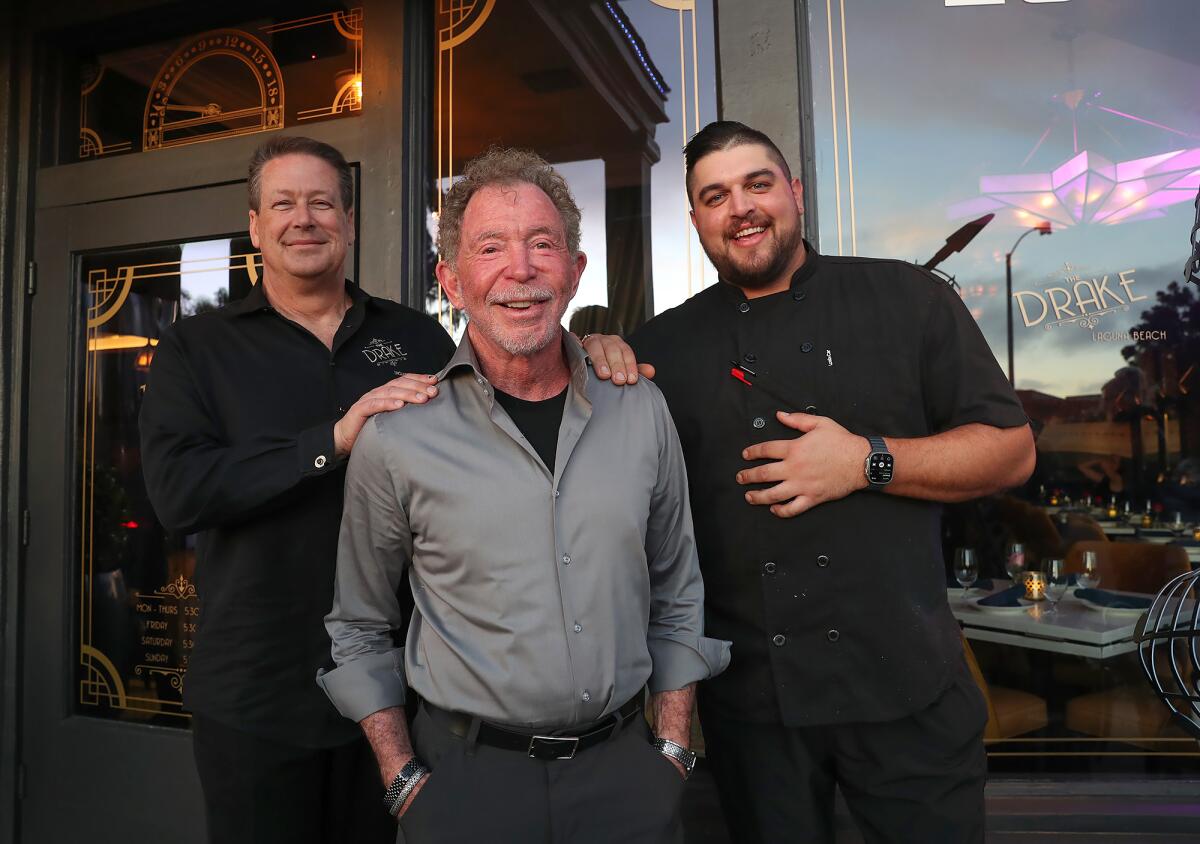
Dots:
pixel 1081 119
pixel 137 605
pixel 600 91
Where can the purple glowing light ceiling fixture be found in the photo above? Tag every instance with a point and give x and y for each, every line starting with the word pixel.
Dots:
pixel 1089 187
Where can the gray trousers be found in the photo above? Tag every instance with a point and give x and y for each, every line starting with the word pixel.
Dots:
pixel 622 790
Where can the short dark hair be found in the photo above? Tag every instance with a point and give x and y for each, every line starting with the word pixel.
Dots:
pixel 281 145
pixel 721 135
pixel 502 167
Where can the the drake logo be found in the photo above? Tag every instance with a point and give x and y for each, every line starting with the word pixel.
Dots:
pixel 1082 301
pixel 384 352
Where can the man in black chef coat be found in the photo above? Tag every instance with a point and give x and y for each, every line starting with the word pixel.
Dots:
pixel 827 406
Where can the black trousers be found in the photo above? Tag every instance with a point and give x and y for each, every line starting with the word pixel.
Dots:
pixel 918 779
pixel 622 790
pixel 258 791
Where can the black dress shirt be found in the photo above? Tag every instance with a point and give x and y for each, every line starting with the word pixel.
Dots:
pixel 838 615
pixel 237 445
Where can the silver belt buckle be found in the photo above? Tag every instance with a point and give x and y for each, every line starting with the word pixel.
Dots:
pixel 553 747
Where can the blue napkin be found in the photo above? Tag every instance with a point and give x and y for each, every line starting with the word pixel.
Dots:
pixel 1113 600
pixel 984 583
pixel 1008 598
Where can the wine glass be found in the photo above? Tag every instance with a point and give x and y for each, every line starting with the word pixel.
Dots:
pixel 1014 562
pixel 1055 571
pixel 966 568
pixel 1089 578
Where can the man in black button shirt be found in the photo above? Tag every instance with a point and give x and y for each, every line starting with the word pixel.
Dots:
pixel 248 417
pixel 823 569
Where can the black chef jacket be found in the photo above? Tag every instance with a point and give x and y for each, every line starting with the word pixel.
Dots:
pixel 237 445
pixel 837 615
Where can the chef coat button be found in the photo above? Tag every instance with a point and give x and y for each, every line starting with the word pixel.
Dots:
pixel 779 641
pixel 833 635
pixel 566 559
pixel 759 422
pixel 812 408
pixel 557 493
pixel 806 347
pixel 769 566
pixel 586 696
pixel 578 628
pixel 744 307
pixel 799 295
pixel 822 561
pixel 749 357
pixel 320 461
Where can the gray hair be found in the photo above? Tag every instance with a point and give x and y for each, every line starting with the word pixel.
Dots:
pixel 501 166
pixel 281 145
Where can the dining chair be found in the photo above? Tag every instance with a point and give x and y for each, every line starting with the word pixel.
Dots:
pixel 1011 712
pixel 1131 566
pixel 1079 527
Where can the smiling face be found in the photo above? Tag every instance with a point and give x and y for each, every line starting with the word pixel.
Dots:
pixel 300 225
pixel 513 274
pixel 747 215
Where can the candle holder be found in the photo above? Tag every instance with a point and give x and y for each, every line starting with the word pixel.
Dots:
pixel 1035 586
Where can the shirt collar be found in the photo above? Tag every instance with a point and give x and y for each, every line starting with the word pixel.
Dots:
pixel 806 271
pixel 577 359
pixel 256 300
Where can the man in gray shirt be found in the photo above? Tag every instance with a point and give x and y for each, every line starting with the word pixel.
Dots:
pixel 542 518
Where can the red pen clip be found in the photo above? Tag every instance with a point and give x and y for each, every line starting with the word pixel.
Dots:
pixel 741 376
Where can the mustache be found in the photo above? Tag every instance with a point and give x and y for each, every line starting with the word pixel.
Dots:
pixel 749 222
pixel 525 294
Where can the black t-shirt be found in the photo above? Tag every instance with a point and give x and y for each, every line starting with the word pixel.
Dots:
pixel 237 446
pixel 538 421
pixel 838 615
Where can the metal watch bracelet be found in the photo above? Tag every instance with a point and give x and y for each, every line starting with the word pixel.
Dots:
pixel 403 784
pixel 679 753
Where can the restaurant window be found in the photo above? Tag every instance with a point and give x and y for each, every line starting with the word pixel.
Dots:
pixel 1056 147
pixel 608 92
pixel 260 75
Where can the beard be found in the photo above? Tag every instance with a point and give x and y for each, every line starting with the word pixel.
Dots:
pixel 756 274
pixel 518 343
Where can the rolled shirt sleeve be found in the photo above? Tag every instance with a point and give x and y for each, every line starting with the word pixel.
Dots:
pixel 680 652
pixel 374 551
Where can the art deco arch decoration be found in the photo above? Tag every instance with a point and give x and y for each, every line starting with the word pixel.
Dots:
pixel 163 127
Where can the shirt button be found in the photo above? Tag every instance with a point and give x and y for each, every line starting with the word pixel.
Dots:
pixel 320 461
pixel 578 628
pixel 806 347
pixel 780 640
pixel 812 408
pixel 759 422
pixel 822 561
pixel 478 380
pixel 769 567
pixel 586 696
pixel 566 559
pixel 833 635
pixel 799 295
pixel 744 307
pixel 749 357
pixel 556 493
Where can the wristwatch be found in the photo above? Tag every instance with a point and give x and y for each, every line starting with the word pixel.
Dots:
pixel 679 753
pixel 879 464
pixel 403 785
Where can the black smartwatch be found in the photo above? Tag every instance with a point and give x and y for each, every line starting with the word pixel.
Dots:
pixel 879 464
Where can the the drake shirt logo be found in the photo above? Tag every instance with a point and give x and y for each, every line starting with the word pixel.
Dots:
pixel 384 352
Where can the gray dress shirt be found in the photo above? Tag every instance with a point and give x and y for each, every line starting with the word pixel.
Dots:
pixel 541 600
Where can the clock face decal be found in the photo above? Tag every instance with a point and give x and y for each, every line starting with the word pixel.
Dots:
pixel 173 118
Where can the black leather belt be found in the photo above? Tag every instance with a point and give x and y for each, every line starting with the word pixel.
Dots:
pixel 552 744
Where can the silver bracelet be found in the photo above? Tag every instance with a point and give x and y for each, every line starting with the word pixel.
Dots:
pixel 402 785
pixel 407 790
